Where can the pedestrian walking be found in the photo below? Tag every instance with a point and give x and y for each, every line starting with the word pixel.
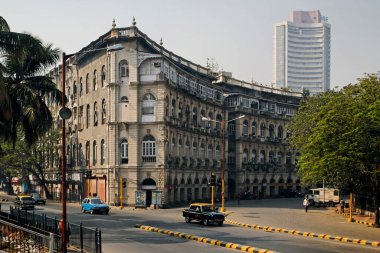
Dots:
pixel 306 204
pixel 342 204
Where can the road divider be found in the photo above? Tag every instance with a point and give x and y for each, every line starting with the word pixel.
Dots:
pixel 307 234
pixel 359 221
pixel 201 239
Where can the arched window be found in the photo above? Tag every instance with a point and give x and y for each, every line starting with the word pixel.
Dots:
pixel 245 128
pixel 124 69
pixel 149 149
pixel 75 90
pixel 173 147
pixel 88 116
pixel 148 108
pixel 180 150
pixel 280 132
pixel 218 122
pixel 187 112
pixel 80 155
pixel 80 87
pixel 103 111
pixel 95 114
pixel 102 151
pixel 262 156
pixel 194 150
pixel 218 153
pixel 253 156
pixel 209 151
pixel 202 122
pixel 180 111
pixel 271 131
pixel 187 150
pixel 88 154
pixel 245 155
pixel 68 155
pixel 173 109
pixel 288 158
pixel 87 83
pixel 254 128
pixel 195 117
pixel 94 81
pixel 279 157
pixel 124 152
pixel 166 106
pixel 202 151
pixel 209 123
pixel 271 157
pixel 262 130
pixel 103 75
pixel 94 153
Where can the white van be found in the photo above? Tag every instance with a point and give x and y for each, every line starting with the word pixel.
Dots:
pixel 323 196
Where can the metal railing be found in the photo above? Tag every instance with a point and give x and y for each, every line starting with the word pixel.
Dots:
pixel 15 238
pixel 82 238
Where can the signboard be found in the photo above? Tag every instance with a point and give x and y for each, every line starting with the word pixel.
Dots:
pixel 140 198
pixel 157 197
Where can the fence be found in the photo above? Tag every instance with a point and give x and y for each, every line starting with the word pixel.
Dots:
pixel 15 238
pixel 83 238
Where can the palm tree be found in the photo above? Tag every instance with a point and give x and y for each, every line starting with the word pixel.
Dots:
pixel 24 58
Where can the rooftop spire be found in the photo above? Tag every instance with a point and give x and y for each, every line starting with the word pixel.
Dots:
pixel 161 43
pixel 113 23
pixel 134 21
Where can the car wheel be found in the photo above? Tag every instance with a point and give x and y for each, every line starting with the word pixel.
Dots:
pixel 106 212
pixel 220 223
pixel 187 219
pixel 92 211
pixel 83 211
pixel 205 222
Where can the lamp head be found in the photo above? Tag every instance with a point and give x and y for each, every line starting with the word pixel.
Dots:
pixel 115 47
pixel 205 119
pixel 65 113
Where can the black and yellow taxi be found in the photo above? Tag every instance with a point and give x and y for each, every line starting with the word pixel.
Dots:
pixel 203 212
pixel 24 202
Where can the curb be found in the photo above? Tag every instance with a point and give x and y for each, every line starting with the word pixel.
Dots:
pixel 307 234
pixel 359 221
pixel 229 245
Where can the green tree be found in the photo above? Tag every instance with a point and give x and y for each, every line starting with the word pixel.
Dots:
pixel 23 61
pixel 337 134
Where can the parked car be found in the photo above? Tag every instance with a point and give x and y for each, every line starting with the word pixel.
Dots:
pixel 24 202
pixel 38 199
pixel 204 213
pixel 94 205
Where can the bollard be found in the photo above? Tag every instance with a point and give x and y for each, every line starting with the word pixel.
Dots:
pixel 81 237
pixel 51 243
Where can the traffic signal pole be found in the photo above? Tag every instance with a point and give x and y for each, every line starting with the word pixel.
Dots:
pixel 212 196
pixel 121 193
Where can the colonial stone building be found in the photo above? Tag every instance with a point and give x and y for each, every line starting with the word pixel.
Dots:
pixel 139 124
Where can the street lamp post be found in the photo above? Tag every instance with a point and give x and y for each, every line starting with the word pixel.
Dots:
pixel 65 113
pixel 223 123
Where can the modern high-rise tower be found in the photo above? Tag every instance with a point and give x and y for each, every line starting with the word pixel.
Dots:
pixel 302 52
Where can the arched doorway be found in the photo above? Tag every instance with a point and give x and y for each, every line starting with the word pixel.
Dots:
pixel 148 185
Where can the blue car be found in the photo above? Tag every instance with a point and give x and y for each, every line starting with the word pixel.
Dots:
pixel 94 205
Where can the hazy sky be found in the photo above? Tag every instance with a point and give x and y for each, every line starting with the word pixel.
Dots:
pixel 238 34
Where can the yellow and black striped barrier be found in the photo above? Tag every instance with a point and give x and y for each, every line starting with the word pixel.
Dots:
pixel 359 221
pixel 201 239
pixel 307 234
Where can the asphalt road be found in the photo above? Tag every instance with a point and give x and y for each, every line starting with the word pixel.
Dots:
pixel 119 234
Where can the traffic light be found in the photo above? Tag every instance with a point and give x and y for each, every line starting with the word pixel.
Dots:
pixel 124 184
pixel 212 179
pixel 88 173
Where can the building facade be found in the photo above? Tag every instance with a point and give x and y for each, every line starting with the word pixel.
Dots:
pixel 302 52
pixel 148 125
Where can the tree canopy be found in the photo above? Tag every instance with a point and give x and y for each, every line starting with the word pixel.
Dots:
pixel 338 136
